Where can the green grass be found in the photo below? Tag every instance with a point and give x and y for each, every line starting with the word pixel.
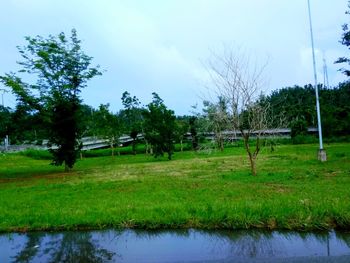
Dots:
pixel 127 150
pixel 292 191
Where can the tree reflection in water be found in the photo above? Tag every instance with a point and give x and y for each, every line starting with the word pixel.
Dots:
pixel 249 244
pixel 64 247
pixel 135 245
pixel 262 244
pixel 30 249
pixel 256 243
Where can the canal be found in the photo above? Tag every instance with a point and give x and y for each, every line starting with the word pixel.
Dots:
pixel 175 246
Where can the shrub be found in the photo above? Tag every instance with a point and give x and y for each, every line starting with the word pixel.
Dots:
pixel 37 154
pixel 304 139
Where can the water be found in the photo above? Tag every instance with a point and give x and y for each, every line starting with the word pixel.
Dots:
pixel 175 246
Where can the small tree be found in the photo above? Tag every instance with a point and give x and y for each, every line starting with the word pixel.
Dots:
pixel 217 117
pixel 62 69
pixel 159 127
pixel 108 126
pixel 239 82
pixel 181 128
pixel 193 123
pixel 133 114
pixel 87 121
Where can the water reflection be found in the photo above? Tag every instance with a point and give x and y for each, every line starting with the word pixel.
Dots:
pixel 174 246
pixel 63 247
pixel 30 249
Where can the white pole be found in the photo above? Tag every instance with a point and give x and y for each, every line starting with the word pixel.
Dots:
pixel 6 142
pixel 2 96
pixel 322 153
pixel 325 72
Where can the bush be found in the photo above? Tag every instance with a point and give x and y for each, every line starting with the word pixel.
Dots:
pixel 304 139
pixel 337 139
pixel 37 154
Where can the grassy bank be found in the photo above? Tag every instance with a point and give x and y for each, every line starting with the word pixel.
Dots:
pixel 292 191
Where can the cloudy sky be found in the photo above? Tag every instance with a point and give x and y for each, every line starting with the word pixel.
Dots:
pixel 161 46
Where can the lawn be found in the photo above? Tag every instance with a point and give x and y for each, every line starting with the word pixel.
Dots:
pixel 195 190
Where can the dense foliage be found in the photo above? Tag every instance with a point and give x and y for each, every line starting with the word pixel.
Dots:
pixel 297 105
pixel 61 70
pixel 159 127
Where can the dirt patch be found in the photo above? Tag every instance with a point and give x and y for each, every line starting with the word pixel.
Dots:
pixel 279 188
pixel 50 177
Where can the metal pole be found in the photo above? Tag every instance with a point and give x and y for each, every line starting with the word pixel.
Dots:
pixel 322 153
pixel 2 96
pixel 325 72
pixel 6 142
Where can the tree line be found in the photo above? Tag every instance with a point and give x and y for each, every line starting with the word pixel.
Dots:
pixel 297 106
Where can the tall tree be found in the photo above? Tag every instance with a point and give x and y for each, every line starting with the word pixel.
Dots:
pixel 345 40
pixel 160 127
pixel 61 69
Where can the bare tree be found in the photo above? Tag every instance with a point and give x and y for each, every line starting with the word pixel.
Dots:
pixel 240 82
pixel 217 119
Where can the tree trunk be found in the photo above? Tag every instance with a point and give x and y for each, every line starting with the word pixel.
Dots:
pixel 252 160
pixel 147 147
pixel 112 146
pixel 252 157
pixel 66 168
pixel 221 144
pixel 219 140
pixel 134 147
pixel 181 146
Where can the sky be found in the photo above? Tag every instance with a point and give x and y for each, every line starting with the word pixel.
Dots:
pixel 147 46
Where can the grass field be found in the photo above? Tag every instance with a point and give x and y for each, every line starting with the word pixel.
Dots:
pixel 201 190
